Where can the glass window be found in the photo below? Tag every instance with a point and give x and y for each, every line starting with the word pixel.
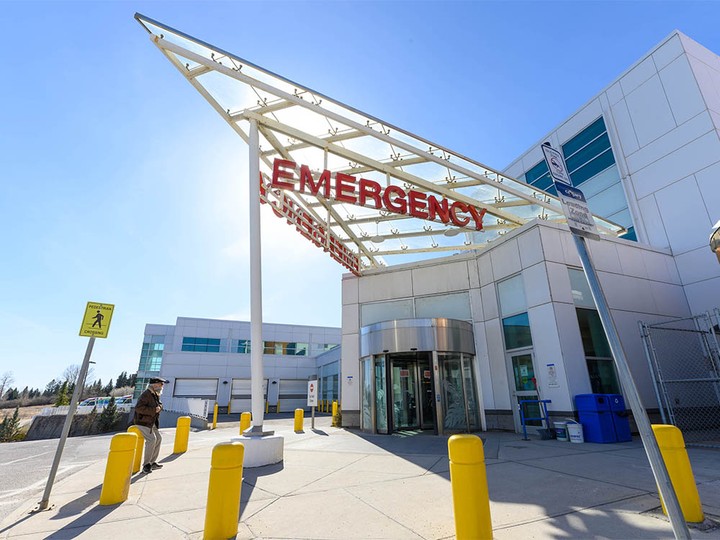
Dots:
pixel 580 289
pixel 511 295
pixel 516 330
pixel 593 335
pixel 243 346
pixel 452 306
pixel 386 311
pixel 195 344
pixel 602 376
pixel 584 137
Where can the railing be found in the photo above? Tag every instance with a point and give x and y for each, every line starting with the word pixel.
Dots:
pixel 188 406
pixel 85 409
pixel 543 414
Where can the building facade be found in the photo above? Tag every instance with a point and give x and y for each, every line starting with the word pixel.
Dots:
pixel 646 153
pixel 210 359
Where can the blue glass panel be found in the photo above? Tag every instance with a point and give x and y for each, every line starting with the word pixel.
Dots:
pixel 595 148
pixel 536 172
pixel 584 137
pixel 630 234
pixel 517 331
pixel 596 166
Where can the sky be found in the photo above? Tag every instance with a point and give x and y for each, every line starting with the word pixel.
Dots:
pixel 119 184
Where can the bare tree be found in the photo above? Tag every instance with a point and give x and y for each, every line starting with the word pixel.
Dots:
pixel 71 374
pixel 6 379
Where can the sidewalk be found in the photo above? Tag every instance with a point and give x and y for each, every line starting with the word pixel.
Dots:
pixel 339 484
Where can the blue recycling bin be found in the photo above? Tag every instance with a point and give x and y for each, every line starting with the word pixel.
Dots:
pixel 596 417
pixel 621 422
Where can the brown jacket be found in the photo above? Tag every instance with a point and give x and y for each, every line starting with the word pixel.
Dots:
pixel 145 414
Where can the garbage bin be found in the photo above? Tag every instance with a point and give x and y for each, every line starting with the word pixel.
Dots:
pixel 596 417
pixel 621 422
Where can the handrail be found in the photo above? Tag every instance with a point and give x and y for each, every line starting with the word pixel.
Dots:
pixel 543 410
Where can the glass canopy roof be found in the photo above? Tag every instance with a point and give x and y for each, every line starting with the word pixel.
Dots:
pixel 308 128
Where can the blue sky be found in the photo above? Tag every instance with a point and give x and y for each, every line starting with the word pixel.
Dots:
pixel 121 185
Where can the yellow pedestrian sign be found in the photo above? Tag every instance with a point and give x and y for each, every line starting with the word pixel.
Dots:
pixel 96 321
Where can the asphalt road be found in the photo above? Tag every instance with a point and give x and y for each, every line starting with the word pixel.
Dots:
pixel 25 466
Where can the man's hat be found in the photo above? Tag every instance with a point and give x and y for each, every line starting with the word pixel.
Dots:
pixel 156 380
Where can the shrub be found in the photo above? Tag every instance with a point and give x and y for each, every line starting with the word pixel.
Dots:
pixel 10 427
pixel 109 417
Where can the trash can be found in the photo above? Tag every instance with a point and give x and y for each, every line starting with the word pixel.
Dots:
pixel 596 417
pixel 561 433
pixel 621 422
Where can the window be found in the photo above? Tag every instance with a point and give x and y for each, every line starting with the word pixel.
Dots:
pixel 513 310
pixel 243 346
pixel 151 353
pixel 194 344
pixel 516 330
pixel 288 348
pixel 588 153
pixel 598 358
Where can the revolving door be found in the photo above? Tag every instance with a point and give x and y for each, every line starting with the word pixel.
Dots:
pixel 418 388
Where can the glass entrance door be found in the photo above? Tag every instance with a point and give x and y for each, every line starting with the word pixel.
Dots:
pixel 525 388
pixel 404 395
pixel 381 401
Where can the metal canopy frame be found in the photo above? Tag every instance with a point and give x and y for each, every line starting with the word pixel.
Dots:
pixel 298 124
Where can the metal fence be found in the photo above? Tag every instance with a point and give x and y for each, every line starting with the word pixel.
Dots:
pixel 684 359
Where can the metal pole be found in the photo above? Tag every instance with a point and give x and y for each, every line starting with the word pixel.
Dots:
pixel 256 343
pixel 79 385
pixel 677 521
pixel 312 424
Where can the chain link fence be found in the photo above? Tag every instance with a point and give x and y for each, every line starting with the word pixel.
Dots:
pixel 684 359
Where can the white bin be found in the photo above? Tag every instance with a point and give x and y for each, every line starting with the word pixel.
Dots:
pixel 575 432
pixel 561 432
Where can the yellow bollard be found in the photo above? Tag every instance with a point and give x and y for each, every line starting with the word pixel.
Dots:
pixel 468 479
pixel 137 462
pixel 299 415
pixel 222 511
pixel 277 408
pixel 116 484
pixel 267 407
pixel 230 407
pixel 182 433
pixel 245 419
pixel 215 410
pixel 672 447
pixel 334 408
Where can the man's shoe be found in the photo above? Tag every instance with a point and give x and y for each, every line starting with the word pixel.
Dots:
pixel 147 469
pixel 155 465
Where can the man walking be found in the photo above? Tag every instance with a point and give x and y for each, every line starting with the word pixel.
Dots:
pixel 147 419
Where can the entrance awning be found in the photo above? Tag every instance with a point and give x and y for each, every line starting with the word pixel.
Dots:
pixel 299 125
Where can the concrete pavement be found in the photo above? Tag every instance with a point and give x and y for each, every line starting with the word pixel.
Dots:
pixel 340 484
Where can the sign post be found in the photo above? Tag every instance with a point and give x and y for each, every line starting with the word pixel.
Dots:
pixel 312 397
pixel 96 323
pixel 582 226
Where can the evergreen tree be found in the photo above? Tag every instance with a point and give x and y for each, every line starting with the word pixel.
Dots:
pixel 108 417
pixel 25 392
pixel 10 427
pixel 122 380
pixel 13 393
pixel 62 396
pixel 107 388
pixel 132 379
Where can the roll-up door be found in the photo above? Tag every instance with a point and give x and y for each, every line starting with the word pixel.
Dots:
pixel 196 388
pixel 293 394
pixel 240 398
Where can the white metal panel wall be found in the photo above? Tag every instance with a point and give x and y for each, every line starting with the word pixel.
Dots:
pixel 199 388
pixel 240 397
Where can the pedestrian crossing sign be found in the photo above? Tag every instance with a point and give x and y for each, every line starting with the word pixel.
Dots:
pixel 96 321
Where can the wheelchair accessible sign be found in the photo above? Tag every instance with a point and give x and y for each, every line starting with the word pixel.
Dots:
pixel 573 202
pixel 96 321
